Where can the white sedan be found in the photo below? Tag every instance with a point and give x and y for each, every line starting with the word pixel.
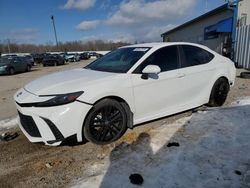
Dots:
pixel 128 86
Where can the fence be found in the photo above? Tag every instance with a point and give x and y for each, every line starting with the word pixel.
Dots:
pixel 242 47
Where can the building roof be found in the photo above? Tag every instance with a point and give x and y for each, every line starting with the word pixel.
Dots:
pixel 212 12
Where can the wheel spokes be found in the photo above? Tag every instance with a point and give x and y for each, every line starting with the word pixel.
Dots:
pixel 115 117
pixel 106 123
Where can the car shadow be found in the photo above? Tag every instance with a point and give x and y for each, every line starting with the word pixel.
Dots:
pixel 212 150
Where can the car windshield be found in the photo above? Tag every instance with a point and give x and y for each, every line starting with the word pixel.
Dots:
pixel 4 60
pixel 50 57
pixel 119 60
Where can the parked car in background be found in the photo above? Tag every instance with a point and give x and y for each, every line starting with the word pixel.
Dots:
pixel 94 55
pixel 128 86
pixel 38 58
pixel 29 59
pixel 84 56
pixel 72 57
pixel 53 59
pixel 14 64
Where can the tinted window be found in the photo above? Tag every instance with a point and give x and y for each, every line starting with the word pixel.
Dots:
pixel 166 58
pixel 195 56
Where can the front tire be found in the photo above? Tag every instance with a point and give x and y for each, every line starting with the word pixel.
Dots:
pixel 106 122
pixel 219 93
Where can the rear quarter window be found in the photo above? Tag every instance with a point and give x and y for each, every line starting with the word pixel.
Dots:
pixel 195 56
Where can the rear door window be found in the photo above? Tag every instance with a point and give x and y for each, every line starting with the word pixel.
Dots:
pixel 195 56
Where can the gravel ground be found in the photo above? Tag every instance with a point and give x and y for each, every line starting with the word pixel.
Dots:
pixel 23 164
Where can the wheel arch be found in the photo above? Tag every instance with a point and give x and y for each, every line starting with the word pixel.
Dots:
pixel 123 103
pixel 116 98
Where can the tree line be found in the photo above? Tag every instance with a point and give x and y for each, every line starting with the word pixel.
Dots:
pixel 97 45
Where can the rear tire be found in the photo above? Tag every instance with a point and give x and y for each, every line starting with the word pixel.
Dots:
pixel 106 122
pixel 28 68
pixel 219 93
pixel 12 71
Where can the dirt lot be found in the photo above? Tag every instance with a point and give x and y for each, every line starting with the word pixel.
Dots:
pixel 23 164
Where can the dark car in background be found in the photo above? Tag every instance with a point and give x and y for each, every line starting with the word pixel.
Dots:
pixel 84 56
pixel 38 58
pixel 94 55
pixel 12 64
pixel 29 59
pixel 53 59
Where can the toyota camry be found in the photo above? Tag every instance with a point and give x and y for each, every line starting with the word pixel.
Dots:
pixel 128 86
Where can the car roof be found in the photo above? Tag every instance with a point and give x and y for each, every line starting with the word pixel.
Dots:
pixel 163 44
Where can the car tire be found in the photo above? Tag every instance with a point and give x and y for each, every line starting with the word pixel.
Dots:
pixel 28 68
pixel 11 71
pixel 106 122
pixel 245 75
pixel 219 93
pixel 44 65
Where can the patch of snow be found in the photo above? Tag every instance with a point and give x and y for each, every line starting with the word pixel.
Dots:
pixel 242 101
pixel 8 123
pixel 213 145
pixel 169 130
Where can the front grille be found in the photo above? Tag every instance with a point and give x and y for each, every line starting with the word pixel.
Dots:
pixel 29 125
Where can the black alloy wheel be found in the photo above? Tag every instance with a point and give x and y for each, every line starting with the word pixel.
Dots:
pixel 106 122
pixel 219 92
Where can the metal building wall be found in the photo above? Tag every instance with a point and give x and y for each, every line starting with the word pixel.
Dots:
pixel 194 32
pixel 242 46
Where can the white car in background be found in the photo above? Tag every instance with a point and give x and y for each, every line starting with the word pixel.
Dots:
pixel 128 86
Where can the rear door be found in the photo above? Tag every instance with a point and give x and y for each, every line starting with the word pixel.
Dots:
pixel 195 72
pixel 17 64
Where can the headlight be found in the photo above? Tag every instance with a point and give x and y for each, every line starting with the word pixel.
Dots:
pixel 2 67
pixel 59 99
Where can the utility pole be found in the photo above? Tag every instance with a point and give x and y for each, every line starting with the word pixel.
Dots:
pixel 206 6
pixel 8 42
pixel 53 22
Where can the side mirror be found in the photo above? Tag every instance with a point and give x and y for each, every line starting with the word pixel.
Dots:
pixel 150 69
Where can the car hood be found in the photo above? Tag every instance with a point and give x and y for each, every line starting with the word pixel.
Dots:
pixel 66 81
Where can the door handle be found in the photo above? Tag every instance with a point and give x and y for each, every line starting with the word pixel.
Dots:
pixel 181 75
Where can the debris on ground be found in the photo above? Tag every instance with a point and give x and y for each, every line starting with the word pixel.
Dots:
pixel 48 165
pixel 238 172
pixel 136 179
pixel 245 75
pixel 171 144
pixel 8 136
pixel 243 87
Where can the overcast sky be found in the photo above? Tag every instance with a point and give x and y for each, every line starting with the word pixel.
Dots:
pixel 28 21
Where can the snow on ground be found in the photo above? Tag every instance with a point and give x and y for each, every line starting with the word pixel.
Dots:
pixel 8 123
pixel 242 101
pixel 214 151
